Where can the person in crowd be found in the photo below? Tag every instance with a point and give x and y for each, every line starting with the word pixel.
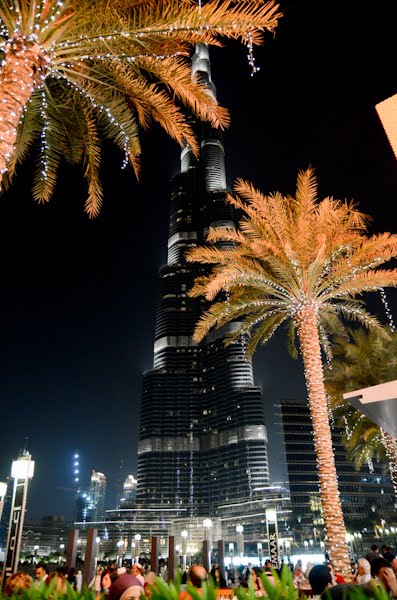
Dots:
pixel 247 571
pixel 390 556
pixel 256 575
pixel 298 574
pixel 95 582
pixel 373 553
pixel 150 580
pixel 71 578
pixel 196 575
pixel 79 580
pixel 309 566
pixel 363 571
pixel 41 573
pixel 336 577
pixel 382 572
pixel 268 566
pixel 138 570
pixel 163 569
pixel 217 577
pixel 320 579
pixel 108 577
pixel 125 582
pixel 17 583
pixel 343 591
pixel 58 580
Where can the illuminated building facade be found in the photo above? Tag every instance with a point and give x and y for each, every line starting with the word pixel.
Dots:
pixel 367 496
pixel 203 439
pixel 98 494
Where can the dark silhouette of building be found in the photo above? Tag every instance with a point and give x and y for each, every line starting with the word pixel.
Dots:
pixel 367 496
pixel 203 438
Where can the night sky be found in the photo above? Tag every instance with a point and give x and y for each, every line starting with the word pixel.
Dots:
pixel 78 296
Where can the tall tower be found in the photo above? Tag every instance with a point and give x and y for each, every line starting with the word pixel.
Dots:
pixel 97 495
pixel 203 438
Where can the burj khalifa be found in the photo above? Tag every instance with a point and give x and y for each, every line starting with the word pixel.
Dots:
pixel 203 439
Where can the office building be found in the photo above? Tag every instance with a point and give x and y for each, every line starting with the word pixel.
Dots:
pixel 367 496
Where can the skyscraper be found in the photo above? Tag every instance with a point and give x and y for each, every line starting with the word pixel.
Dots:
pixel 97 494
pixel 367 496
pixel 203 438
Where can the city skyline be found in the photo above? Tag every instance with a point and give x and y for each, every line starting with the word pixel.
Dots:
pixel 78 298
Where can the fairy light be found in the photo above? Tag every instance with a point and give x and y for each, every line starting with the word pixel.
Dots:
pixel 112 119
pixel 387 310
pixel 44 141
pixel 250 55
pixel 390 445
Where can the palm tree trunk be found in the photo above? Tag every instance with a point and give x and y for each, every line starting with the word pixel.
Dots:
pixel 306 321
pixel 22 71
pixel 390 444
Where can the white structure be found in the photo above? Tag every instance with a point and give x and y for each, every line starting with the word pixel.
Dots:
pixel 379 403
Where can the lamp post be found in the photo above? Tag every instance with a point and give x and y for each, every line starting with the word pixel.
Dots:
pixel 120 546
pixel 137 538
pixel 207 524
pixel 97 553
pixel 260 552
pixel 240 540
pixel 184 536
pixel 62 548
pixel 22 470
pixel 36 551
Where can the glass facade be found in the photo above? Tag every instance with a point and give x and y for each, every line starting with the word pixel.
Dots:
pixel 367 496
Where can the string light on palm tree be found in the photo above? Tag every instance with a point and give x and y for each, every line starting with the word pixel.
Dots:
pixel 132 60
pixel 295 260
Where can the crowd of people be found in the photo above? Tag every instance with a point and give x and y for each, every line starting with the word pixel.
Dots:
pixel 319 581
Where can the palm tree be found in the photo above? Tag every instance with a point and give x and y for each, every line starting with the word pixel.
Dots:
pixel 74 70
pixel 363 360
pixel 300 261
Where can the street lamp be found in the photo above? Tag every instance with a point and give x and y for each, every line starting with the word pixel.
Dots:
pixel 184 536
pixel 62 548
pixel 240 540
pixel 120 546
pixel 22 470
pixel 207 524
pixel 137 538
pixel 231 552
pixel 260 552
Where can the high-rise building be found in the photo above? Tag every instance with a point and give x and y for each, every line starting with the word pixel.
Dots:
pixel 97 495
pixel 367 496
pixel 129 491
pixel 203 440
